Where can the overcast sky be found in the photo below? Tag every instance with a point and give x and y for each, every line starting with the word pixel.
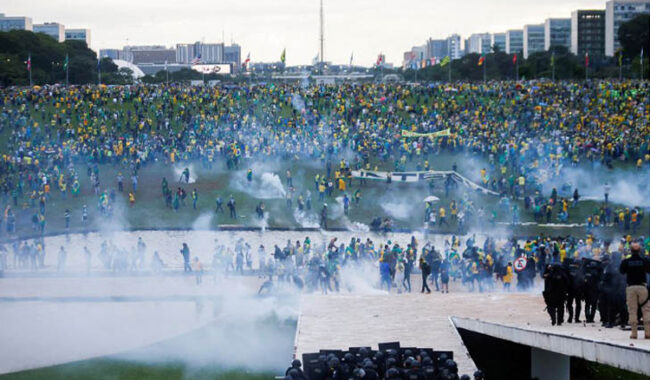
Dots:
pixel 265 27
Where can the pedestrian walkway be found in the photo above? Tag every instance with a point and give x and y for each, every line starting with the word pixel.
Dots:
pixel 414 320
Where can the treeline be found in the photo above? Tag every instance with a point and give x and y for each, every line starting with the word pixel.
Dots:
pixel 48 58
pixel 559 62
pixel 501 66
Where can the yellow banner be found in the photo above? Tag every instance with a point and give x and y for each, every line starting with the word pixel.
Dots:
pixel 444 132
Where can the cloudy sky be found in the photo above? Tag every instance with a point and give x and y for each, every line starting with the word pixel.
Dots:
pixel 265 27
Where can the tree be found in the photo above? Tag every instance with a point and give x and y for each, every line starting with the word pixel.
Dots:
pixel 106 66
pixel 47 56
pixel 634 35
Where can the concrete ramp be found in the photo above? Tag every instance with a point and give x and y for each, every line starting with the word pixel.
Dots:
pixel 415 320
pixel 607 346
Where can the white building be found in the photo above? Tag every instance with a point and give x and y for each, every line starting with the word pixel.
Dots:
pixel 533 39
pixel 616 13
pixel 514 41
pixel 499 40
pixel 557 32
pixel 212 53
pixel 52 29
pixel 479 43
pixel 455 51
pixel 78 34
pixel 13 23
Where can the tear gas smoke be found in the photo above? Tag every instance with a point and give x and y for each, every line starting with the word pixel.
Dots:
pixel 178 172
pixel 306 219
pixel 267 186
pixel 203 222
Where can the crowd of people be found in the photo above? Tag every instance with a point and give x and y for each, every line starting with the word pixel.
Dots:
pixel 526 131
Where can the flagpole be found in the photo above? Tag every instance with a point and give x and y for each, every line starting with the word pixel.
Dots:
pixel 99 72
pixel 484 64
pixel 449 71
pixel 641 63
pixel 553 66
pixel 517 70
pixel 29 68
pixel 620 66
pixel 586 66
pixel 67 65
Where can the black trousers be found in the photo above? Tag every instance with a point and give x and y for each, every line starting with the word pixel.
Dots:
pixel 424 283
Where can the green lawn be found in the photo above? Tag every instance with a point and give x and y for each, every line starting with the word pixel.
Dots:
pixel 402 202
pixel 113 369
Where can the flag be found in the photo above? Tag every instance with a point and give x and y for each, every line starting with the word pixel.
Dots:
pixel 315 60
pixel 248 59
pixel 514 59
pixel 407 133
pixel 29 62
pixel 351 57
pixel 283 56
pixel 587 59
pixel 445 61
pixel 380 59
pixel 620 58
pixel 98 60
pixel 481 60
pixel 65 63
pixel 197 59
pixel 553 59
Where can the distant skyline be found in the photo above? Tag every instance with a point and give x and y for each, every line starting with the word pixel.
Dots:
pixel 266 27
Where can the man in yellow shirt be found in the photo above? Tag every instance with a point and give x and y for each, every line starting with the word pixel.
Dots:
pixel 442 213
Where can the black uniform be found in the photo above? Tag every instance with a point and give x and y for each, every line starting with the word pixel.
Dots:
pixel 592 272
pixel 556 285
pixel 575 293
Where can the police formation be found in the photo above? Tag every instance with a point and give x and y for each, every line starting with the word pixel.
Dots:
pixel 389 362
pixel 615 286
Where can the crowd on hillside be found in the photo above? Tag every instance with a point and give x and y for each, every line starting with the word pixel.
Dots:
pixel 526 131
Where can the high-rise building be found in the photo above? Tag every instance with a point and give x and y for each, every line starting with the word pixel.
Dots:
pixel 232 54
pixel 206 53
pixel 52 29
pixel 453 44
pixel 110 53
pixel 13 23
pixel 533 39
pixel 616 13
pixel 515 41
pixel 436 49
pixel 152 55
pixel 557 32
pixel 498 41
pixel 78 34
pixel 212 53
pixel 485 43
pixel 413 57
pixel 479 43
pixel 588 32
pixel 185 53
